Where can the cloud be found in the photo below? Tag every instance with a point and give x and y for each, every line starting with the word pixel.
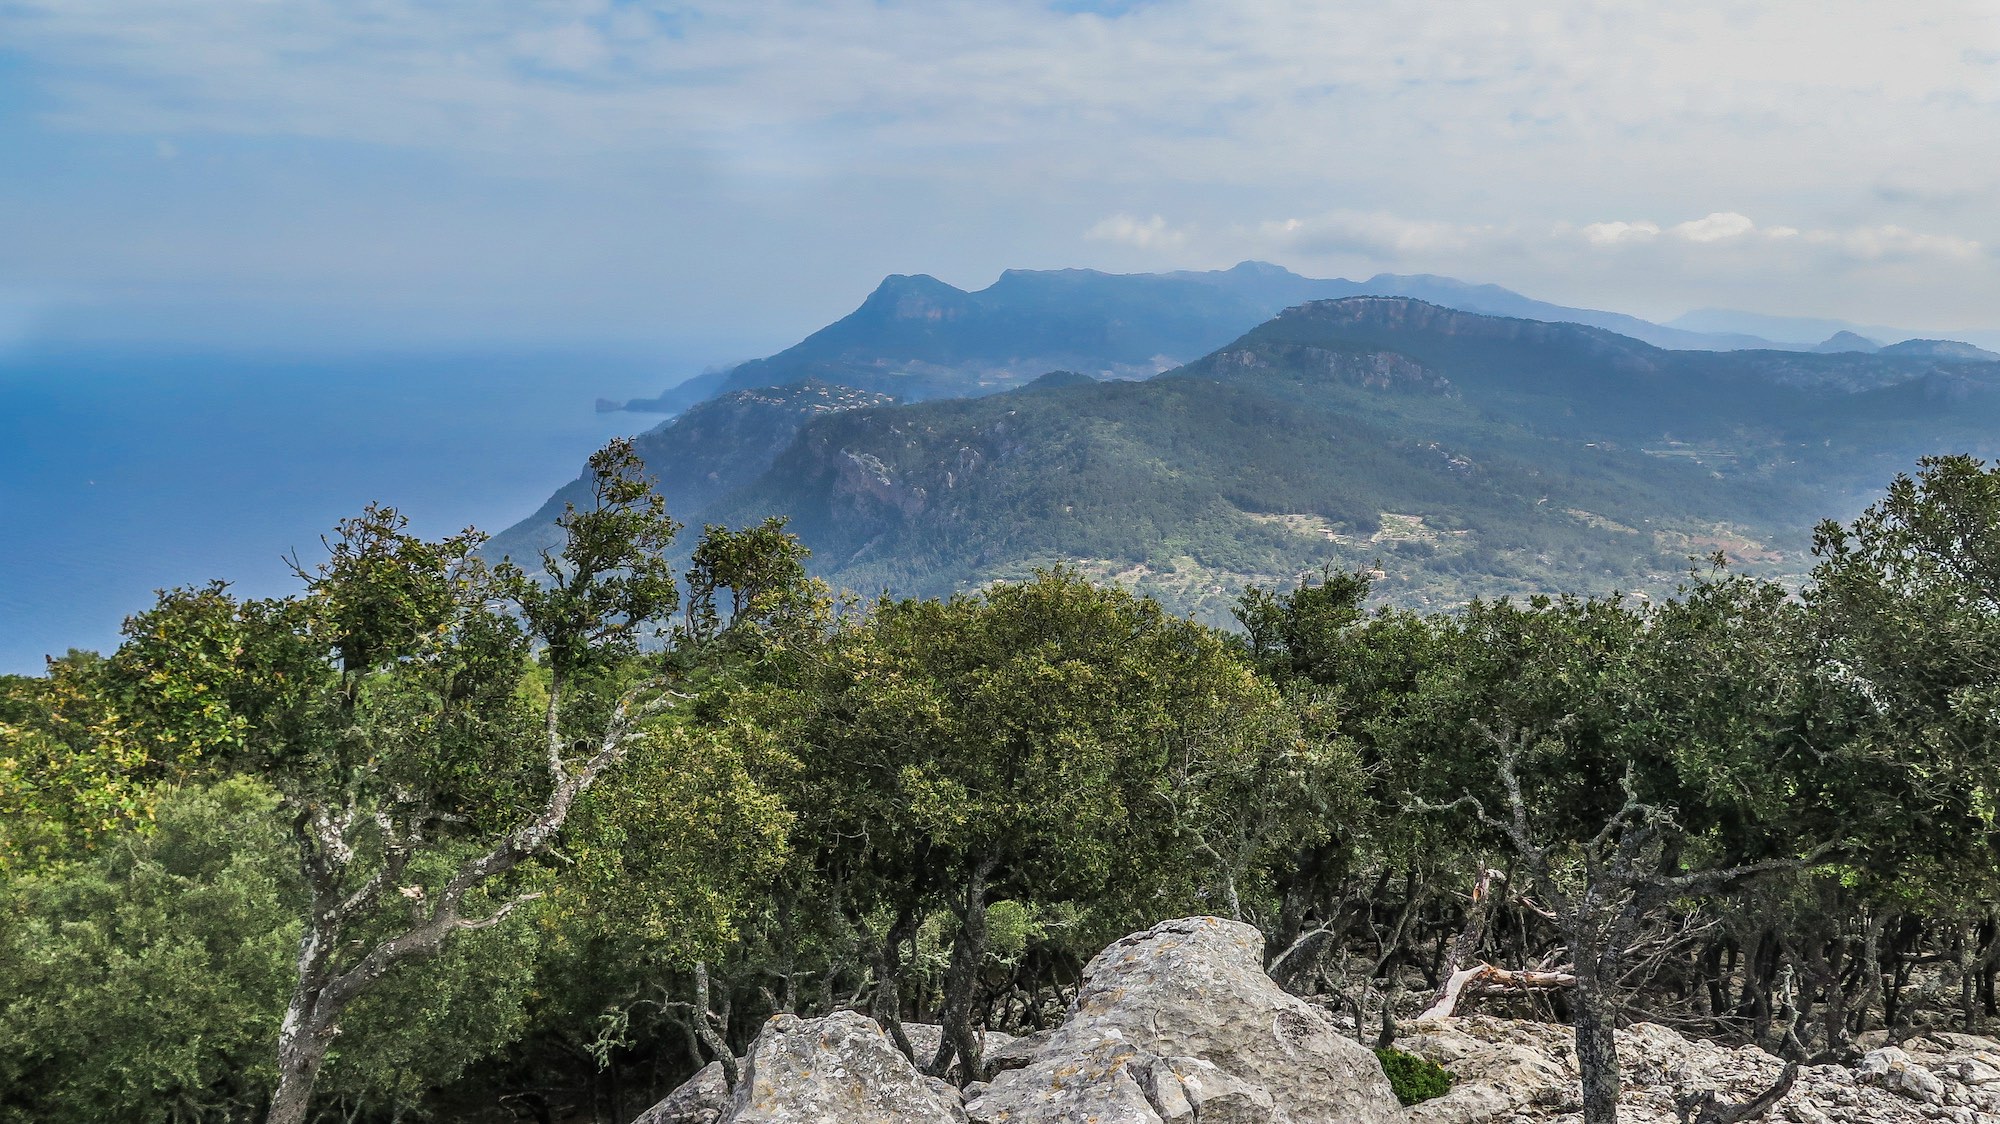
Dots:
pixel 1143 234
pixel 1615 233
pixel 1379 234
pixel 1722 230
pixel 1718 227
pixel 663 149
pixel 1650 266
pixel 1289 83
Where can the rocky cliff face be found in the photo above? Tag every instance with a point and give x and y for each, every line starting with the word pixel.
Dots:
pixel 1179 1025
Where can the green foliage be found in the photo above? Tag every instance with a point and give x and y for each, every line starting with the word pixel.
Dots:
pixel 1296 633
pixel 70 773
pixel 680 850
pixel 1414 1079
pixel 611 582
pixel 763 570
pixel 422 1029
pixel 938 809
pixel 1906 601
pixel 1078 737
pixel 147 982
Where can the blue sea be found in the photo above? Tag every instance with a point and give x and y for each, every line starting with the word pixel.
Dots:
pixel 124 473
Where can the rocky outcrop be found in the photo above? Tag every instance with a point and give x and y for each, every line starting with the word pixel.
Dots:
pixel 703 1099
pixel 925 1038
pixel 1520 1072
pixel 840 1069
pixel 1180 1023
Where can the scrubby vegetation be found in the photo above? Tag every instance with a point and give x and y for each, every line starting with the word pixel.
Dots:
pixel 1414 1079
pixel 430 839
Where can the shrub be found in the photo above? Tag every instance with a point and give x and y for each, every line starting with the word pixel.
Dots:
pixel 1413 1078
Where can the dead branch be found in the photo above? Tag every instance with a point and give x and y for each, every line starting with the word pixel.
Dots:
pixel 1485 979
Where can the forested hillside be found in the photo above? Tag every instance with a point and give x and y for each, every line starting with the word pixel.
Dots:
pixel 430 838
pixel 703 456
pixel 1457 454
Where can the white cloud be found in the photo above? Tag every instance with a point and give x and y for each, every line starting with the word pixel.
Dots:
pixel 1721 226
pixel 1650 267
pixel 1614 233
pixel 1378 234
pixel 834 139
pixel 1198 82
pixel 1725 229
pixel 1885 242
pixel 1143 234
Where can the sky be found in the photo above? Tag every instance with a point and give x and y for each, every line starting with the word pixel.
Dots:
pixel 727 176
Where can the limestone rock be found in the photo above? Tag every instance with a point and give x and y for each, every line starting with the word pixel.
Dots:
pixel 1518 1072
pixel 925 1037
pixel 1017 1052
pixel 1184 992
pixel 1471 1104
pixel 1894 1070
pixel 702 1099
pixel 1201 1091
pixel 840 1069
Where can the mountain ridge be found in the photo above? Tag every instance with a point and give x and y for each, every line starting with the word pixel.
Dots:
pixel 1467 454
pixel 918 337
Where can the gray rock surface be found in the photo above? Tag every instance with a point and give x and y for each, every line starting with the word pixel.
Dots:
pixel 1893 1069
pixel 1180 1017
pixel 1016 1052
pixel 1179 1025
pixel 701 1099
pixel 840 1069
pixel 924 1039
pixel 1520 1072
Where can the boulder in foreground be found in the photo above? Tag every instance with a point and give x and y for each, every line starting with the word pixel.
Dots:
pixel 840 1069
pixel 1180 1023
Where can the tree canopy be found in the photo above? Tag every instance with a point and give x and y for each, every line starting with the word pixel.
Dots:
pixel 440 833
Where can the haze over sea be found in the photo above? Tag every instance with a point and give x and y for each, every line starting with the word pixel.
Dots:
pixel 125 472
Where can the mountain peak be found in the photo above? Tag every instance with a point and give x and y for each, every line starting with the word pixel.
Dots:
pixel 1254 268
pixel 1847 341
pixel 1948 350
pixel 914 296
pixel 1056 380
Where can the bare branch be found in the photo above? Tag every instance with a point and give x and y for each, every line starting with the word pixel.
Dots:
pixel 497 916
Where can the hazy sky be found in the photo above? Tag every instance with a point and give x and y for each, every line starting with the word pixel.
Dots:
pixel 383 171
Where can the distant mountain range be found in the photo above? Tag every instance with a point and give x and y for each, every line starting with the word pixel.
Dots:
pixel 1805 333
pixel 917 338
pixel 1465 454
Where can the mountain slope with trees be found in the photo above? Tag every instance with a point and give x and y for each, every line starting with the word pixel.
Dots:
pixel 1467 454
pixel 701 457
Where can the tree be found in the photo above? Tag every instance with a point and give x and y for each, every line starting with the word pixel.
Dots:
pixel 423 760
pixel 762 568
pixel 1043 742
pixel 142 980
pixel 69 774
pixel 1628 759
pixel 1905 604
